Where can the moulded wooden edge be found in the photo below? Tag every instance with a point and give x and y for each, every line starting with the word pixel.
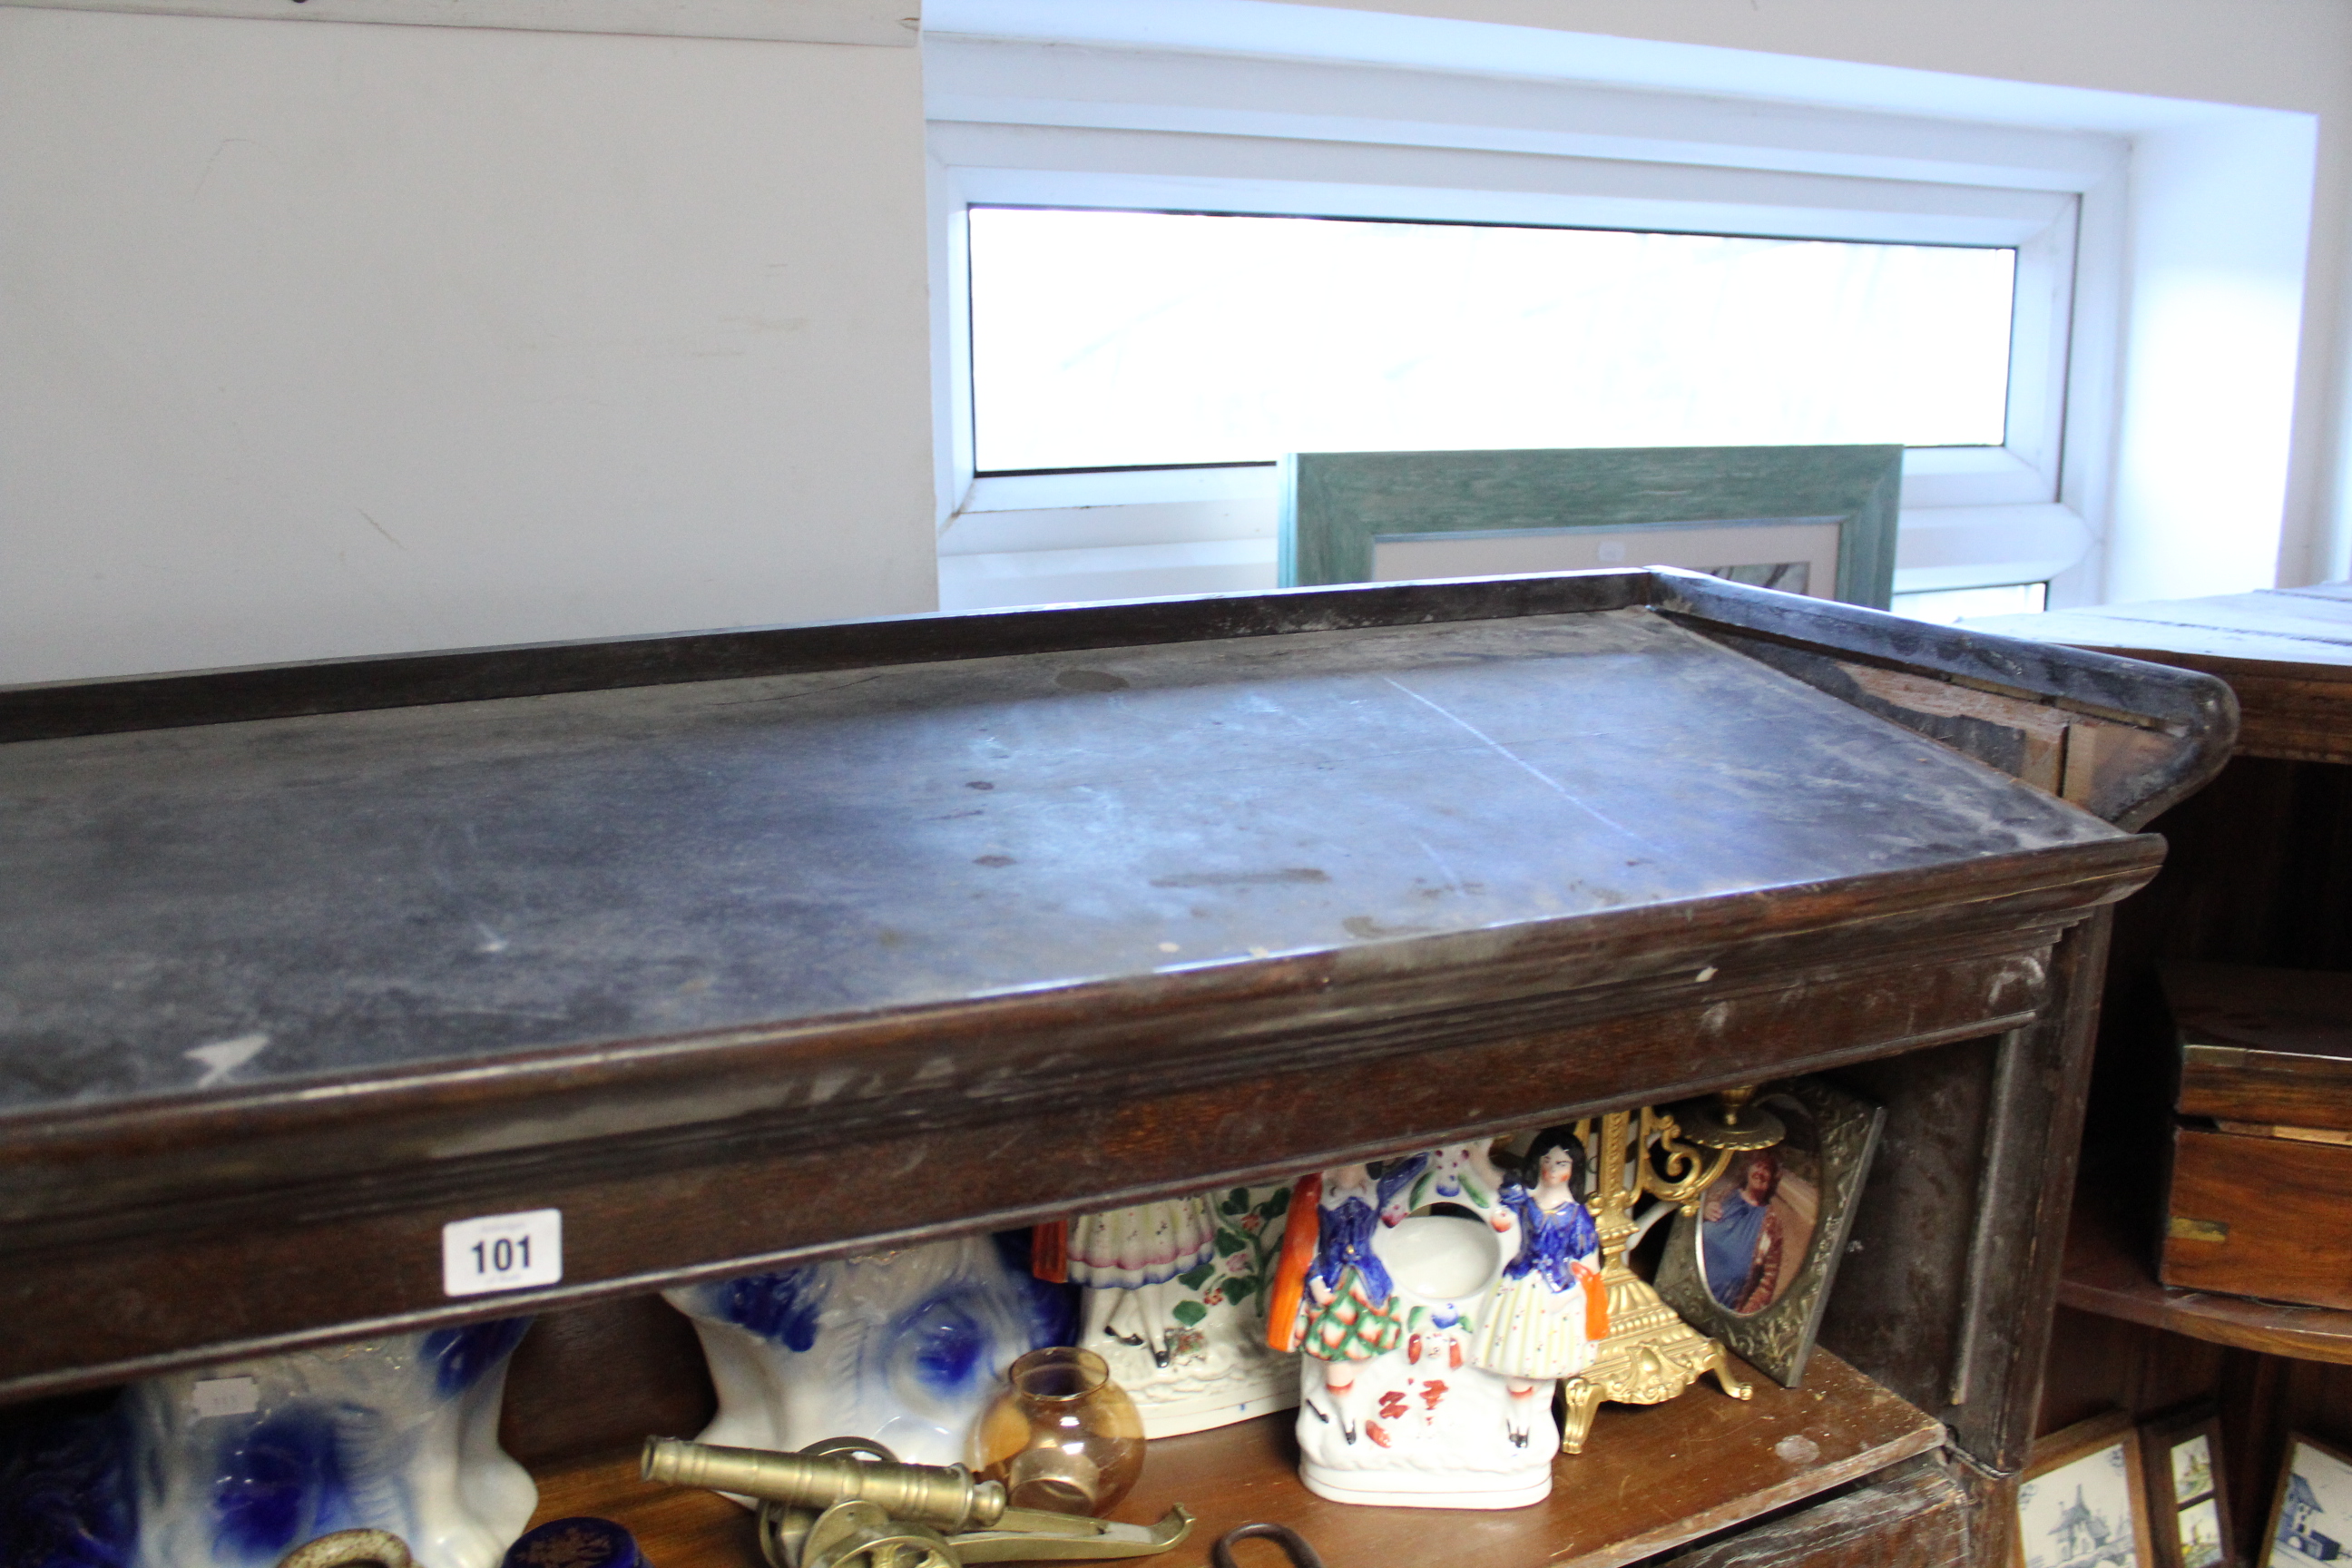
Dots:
pixel 54 710
pixel 2047 667
pixel 2106 1275
pixel 1214 1021
pixel 85 1315
pixel 1651 1478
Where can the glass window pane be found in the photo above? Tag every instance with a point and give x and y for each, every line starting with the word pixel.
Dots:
pixel 1109 339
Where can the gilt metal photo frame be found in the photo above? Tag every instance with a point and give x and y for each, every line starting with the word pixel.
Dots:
pixel 1753 1267
pixel 1767 515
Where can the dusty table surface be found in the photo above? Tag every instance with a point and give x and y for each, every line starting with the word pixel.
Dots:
pixel 270 902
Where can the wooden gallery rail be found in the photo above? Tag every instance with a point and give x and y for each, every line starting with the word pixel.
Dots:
pixel 761 946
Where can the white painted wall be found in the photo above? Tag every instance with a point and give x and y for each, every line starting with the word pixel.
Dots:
pixel 320 339
pixel 2204 458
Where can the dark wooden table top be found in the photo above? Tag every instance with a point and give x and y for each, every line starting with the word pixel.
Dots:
pixel 304 898
pixel 747 947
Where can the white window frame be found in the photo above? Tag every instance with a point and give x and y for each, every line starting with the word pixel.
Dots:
pixel 1022 123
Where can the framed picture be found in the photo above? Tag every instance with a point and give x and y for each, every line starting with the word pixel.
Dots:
pixel 1753 1267
pixel 2082 1502
pixel 2311 1516
pixel 2187 1506
pixel 1807 519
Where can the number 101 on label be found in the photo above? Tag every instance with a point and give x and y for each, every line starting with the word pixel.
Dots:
pixel 502 1252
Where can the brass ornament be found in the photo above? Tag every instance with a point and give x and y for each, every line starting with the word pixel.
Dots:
pixel 1651 1354
pixel 860 1534
pixel 351 1549
pixel 1726 1120
pixel 827 1507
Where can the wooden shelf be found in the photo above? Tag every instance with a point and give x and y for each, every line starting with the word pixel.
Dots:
pixel 1652 1478
pixel 2106 1275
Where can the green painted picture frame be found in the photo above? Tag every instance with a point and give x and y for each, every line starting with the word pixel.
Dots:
pixel 1337 506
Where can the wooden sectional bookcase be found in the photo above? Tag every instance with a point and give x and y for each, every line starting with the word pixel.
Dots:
pixel 752 947
pixel 2258 882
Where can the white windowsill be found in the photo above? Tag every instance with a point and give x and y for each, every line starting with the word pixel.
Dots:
pixel 1064 538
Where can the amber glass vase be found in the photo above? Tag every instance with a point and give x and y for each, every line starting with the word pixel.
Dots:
pixel 1061 1434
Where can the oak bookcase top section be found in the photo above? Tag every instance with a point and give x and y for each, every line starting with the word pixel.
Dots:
pixel 301 899
pixel 756 946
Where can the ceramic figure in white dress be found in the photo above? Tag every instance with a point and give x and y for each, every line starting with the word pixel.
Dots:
pixel 235 1464
pixel 1175 1303
pixel 904 1347
pixel 1126 1261
pixel 1543 1317
pixel 1388 1290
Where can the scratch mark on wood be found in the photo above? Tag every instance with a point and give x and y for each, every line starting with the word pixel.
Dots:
pixel 1509 755
pixel 380 527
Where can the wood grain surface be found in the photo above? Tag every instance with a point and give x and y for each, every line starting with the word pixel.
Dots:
pixel 2109 1272
pixel 377 892
pixel 1917 1516
pixel 2264 1045
pixel 2285 1207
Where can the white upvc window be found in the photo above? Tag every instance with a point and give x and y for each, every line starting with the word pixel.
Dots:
pixel 1228 107
pixel 1038 536
pixel 1108 339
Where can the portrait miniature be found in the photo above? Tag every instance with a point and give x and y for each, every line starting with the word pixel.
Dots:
pixel 1755 1223
pixel 1752 1264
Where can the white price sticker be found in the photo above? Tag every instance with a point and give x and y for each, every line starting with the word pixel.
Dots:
pixel 502 1252
pixel 227 1397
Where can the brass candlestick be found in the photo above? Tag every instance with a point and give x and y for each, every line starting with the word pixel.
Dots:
pixel 1651 1354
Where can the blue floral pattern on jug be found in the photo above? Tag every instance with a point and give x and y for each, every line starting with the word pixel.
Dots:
pixel 783 1307
pixel 462 1355
pixel 235 1464
pixel 281 1481
pixel 904 1347
pixel 65 1493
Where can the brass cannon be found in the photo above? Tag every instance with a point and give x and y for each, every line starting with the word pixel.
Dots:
pixel 850 1503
